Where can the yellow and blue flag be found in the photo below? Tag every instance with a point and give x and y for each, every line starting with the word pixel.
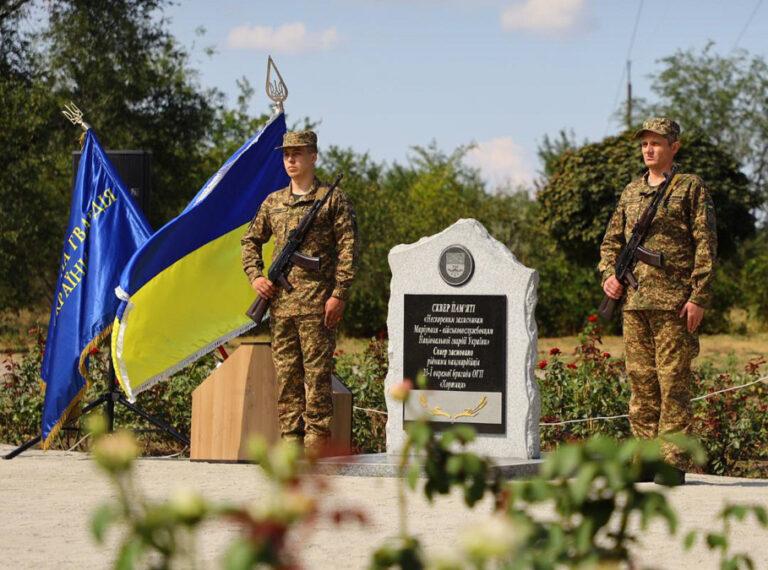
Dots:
pixel 105 229
pixel 184 292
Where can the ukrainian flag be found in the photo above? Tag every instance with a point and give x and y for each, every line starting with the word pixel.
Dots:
pixel 184 292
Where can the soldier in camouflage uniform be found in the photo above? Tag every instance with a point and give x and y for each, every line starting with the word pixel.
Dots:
pixel 661 317
pixel 303 321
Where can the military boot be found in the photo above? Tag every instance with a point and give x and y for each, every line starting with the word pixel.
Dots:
pixel 315 445
pixel 674 478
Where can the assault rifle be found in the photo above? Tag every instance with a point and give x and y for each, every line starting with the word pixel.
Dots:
pixel 290 256
pixel 634 251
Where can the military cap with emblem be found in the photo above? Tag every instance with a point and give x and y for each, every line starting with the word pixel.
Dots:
pixel 661 126
pixel 298 138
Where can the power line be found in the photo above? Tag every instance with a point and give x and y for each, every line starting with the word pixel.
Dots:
pixel 634 29
pixel 624 70
pixel 749 21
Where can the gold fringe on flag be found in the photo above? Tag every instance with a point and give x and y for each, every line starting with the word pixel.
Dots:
pixel 84 355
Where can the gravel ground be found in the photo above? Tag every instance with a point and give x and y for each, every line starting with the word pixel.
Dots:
pixel 46 500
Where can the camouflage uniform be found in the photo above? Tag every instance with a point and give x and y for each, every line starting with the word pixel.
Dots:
pixel 658 347
pixel 302 346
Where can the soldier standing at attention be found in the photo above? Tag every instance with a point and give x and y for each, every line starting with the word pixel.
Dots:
pixel 303 321
pixel 661 317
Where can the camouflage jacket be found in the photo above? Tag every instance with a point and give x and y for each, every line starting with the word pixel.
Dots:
pixel 332 237
pixel 683 230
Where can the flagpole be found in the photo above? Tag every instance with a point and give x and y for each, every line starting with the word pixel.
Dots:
pixel 114 394
pixel 275 87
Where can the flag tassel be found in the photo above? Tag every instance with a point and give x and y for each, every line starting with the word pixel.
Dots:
pixel 65 417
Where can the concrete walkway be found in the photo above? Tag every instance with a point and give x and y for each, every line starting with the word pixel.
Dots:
pixel 46 500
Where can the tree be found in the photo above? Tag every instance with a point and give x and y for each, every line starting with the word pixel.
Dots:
pixel 30 214
pixel 722 98
pixel 399 204
pixel 120 64
pixel 579 198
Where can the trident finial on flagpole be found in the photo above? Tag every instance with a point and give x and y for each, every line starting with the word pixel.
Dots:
pixel 277 90
pixel 75 115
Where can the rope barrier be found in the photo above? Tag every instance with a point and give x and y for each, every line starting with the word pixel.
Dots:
pixel 764 379
pixel 371 410
pixel 704 397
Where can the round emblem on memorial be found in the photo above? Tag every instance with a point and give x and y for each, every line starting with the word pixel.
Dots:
pixel 456 265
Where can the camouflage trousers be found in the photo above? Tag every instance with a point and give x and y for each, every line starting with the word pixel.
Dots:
pixel 659 350
pixel 302 350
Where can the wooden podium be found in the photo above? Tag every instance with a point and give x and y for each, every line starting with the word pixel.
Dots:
pixel 239 399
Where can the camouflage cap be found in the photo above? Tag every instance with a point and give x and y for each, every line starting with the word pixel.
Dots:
pixel 298 138
pixel 661 126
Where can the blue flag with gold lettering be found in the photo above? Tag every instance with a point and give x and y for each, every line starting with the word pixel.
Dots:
pixel 105 229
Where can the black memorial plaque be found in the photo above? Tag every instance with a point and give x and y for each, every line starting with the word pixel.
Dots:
pixel 460 343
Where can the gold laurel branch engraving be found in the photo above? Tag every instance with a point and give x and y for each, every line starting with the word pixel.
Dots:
pixel 472 412
pixel 436 411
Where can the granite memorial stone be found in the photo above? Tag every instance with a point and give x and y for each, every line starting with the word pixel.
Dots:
pixel 461 312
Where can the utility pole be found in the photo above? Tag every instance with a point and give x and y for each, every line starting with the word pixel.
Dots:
pixel 629 94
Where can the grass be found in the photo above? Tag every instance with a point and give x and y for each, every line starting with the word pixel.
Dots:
pixel 722 350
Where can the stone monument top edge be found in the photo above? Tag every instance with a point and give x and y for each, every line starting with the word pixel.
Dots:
pixel 469 227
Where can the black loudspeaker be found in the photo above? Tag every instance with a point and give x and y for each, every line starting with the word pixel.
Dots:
pixel 135 168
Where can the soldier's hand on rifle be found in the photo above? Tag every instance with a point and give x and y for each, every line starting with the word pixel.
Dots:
pixel 334 309
pixel 694 313
pixel 263 287
pixel 613 288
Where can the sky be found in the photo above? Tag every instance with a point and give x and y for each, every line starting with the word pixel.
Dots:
pixel 383 76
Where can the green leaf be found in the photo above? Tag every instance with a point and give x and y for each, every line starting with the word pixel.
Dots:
pixel 474 491
pixel 736 511
pixel 240 555
pixel 473 465
pixel 567 459
pixel 689 540
pixel 584 535
pixel 129 554
pixel 715 540
pixel 628 450
pixel 601 447
pixel 454 465
pixel 761 514
pixel 412 476
pixel 465 433
pixel 447 439
pixel 100 521
pixel 582 483
pixel 420 433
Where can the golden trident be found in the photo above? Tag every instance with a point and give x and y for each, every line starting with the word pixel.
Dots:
pixel 75 115
pixel 277 90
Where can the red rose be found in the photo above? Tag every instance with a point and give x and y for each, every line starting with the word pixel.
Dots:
pixel 543 364
pixel 571 365
pixel 554 351
pixel 606 355
pixel 592 318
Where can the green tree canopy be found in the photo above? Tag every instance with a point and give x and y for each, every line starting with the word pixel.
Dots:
pixel 119 63
pixel 722 98
pixel 580 196
pixel 399 204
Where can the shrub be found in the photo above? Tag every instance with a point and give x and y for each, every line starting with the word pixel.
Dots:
pixel 592 384
pixel 733 426
pixel 21 397
pixel 21 400
pixel 364 375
